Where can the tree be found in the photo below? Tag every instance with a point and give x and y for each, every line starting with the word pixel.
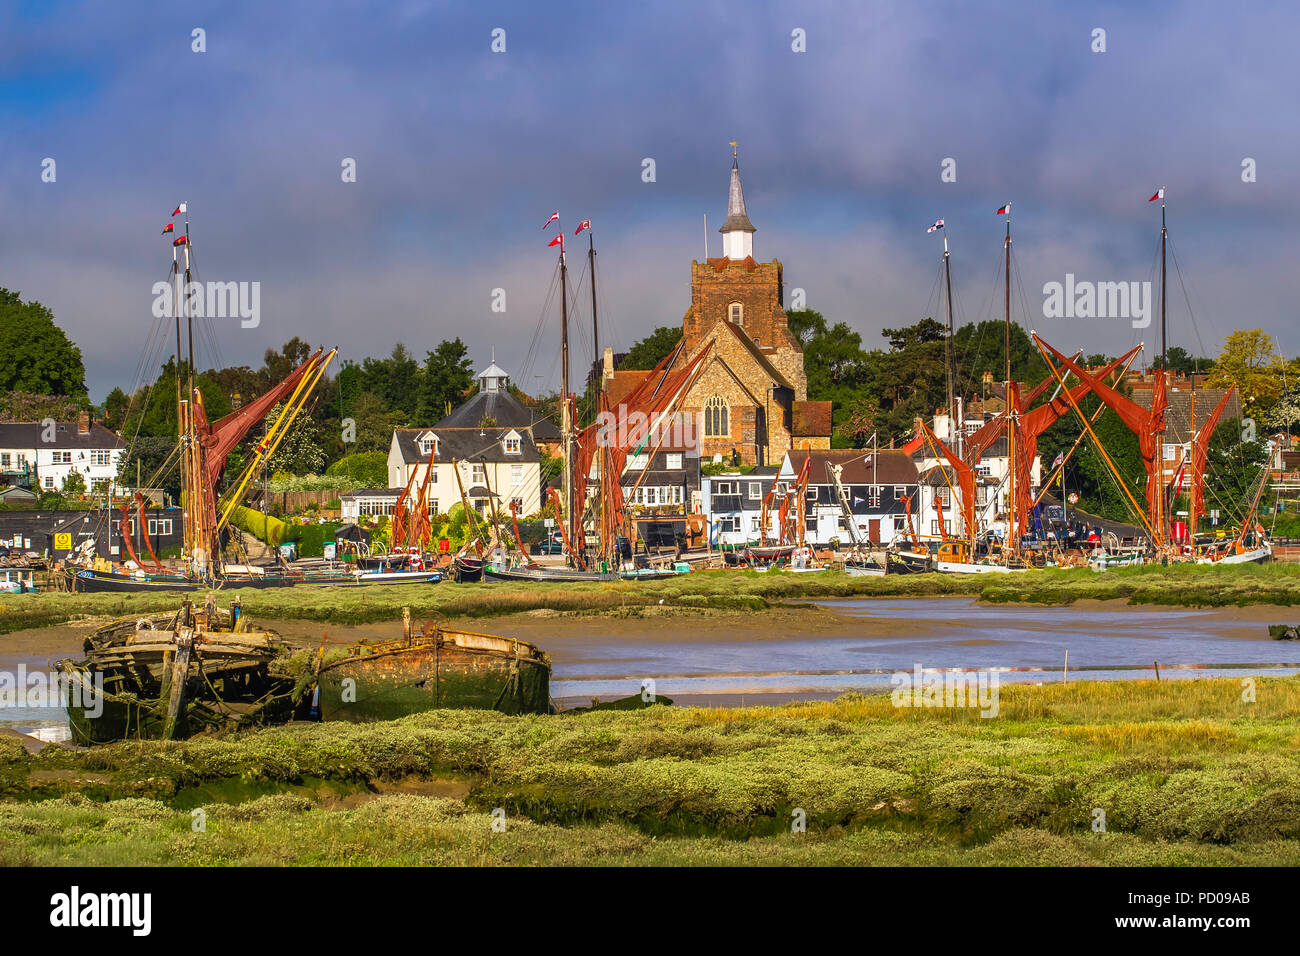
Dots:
pixel 30 407
pixel 74 484
pixel 368 469
pixel 1232 471
pixel 35 354
pixel 115 406
pixel 374 424
pixel 652 349
pixel 299 451
pixel 446 377
pixel 1182 362
pixel 1250 362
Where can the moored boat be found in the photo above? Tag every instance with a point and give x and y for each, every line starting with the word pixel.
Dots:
pixel 439 668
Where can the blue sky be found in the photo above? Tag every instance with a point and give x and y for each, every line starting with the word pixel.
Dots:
pixel 463 153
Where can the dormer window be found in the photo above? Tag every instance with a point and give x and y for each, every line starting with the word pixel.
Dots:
pixel 736 313
pixel 512 444
pixel 428 443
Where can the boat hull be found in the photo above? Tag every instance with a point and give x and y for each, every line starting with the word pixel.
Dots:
pixel 557 575
pixel 453 669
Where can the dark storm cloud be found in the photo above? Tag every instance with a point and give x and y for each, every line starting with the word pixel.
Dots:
pixel 462 154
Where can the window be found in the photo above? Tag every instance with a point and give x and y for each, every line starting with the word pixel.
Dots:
pixel 899 491
pixel 511 444
pixel 725 488
pixel 944 495
pixel 517 504
pixel 984 470
pixel 160 526
pixel 478 474
pixel 433 506
pixel 736 313
pixel 49 482
pixel 101 456
pixel 729 523
pixel 427 444
pixel 873 496
pixel 674 461
pixel 22 460
pixel 61 458
pixel 715 418
pixel 753 524
pixel 900 524
pixel 516 475
pixel 755 490
pixel 4 460
pixel 639 462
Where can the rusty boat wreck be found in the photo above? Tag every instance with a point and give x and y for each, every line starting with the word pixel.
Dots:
pixel 438 667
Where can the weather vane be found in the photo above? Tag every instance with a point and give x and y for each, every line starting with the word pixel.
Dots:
pixel 732 144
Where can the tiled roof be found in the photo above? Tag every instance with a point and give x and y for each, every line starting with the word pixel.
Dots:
pixel 505 410
pixel 1178 417
pixel 466 444
pixel 66 435
pixel 861 466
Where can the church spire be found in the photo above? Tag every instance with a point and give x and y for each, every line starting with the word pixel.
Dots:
pixel 737 231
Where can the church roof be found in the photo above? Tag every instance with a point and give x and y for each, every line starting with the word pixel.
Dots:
pixel 737 218
pixel 752 347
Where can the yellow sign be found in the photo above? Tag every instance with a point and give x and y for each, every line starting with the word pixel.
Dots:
pixel 63 541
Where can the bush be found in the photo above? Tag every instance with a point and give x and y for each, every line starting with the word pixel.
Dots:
pixel 263 527
pixel 368 469
pixel 311 538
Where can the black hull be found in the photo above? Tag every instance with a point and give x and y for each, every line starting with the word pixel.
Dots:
pixel 557 575
pixel 467 571
pixel 98 582
pixel 896 563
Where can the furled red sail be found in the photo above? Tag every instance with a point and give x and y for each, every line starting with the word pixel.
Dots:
pixel 1200 453
pixel 1145 423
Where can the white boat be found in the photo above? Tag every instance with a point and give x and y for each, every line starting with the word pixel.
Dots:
pixel 1252 556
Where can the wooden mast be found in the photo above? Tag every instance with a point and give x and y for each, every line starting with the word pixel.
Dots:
pixel 1013 537
pixel 566 415
pixel 1158 520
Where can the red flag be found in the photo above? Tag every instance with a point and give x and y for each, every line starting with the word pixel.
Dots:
pixel 168 228
pixel 585 224
pixel 178 210
pixel 1004 210
pixel 554 216
pixel 1160 194
pixel 557 241
pixel 183 240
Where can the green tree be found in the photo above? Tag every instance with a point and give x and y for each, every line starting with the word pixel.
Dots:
pixel 652 349
pixel 299 451
pixel 1251 363
pixel 74 484
pixel 35 354
pixel 115 406
pixel 444 381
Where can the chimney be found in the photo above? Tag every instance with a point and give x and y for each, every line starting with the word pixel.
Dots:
pixel 608 370
pixel 83 423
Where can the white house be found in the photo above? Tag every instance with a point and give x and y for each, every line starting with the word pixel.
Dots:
pixel 497 466
pixel 56 449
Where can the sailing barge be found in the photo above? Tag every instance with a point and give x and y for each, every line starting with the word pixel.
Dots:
pixel 439 667
pixel 176 674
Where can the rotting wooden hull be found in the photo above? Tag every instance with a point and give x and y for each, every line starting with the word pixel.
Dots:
pixel 226 675
pixel 441 668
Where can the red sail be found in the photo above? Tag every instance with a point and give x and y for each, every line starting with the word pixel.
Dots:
pixel 1145 423
pixel 1200 452
pixel 965 481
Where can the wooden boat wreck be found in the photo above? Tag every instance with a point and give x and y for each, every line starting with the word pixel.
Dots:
pixel 439 667
pixel 176 674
